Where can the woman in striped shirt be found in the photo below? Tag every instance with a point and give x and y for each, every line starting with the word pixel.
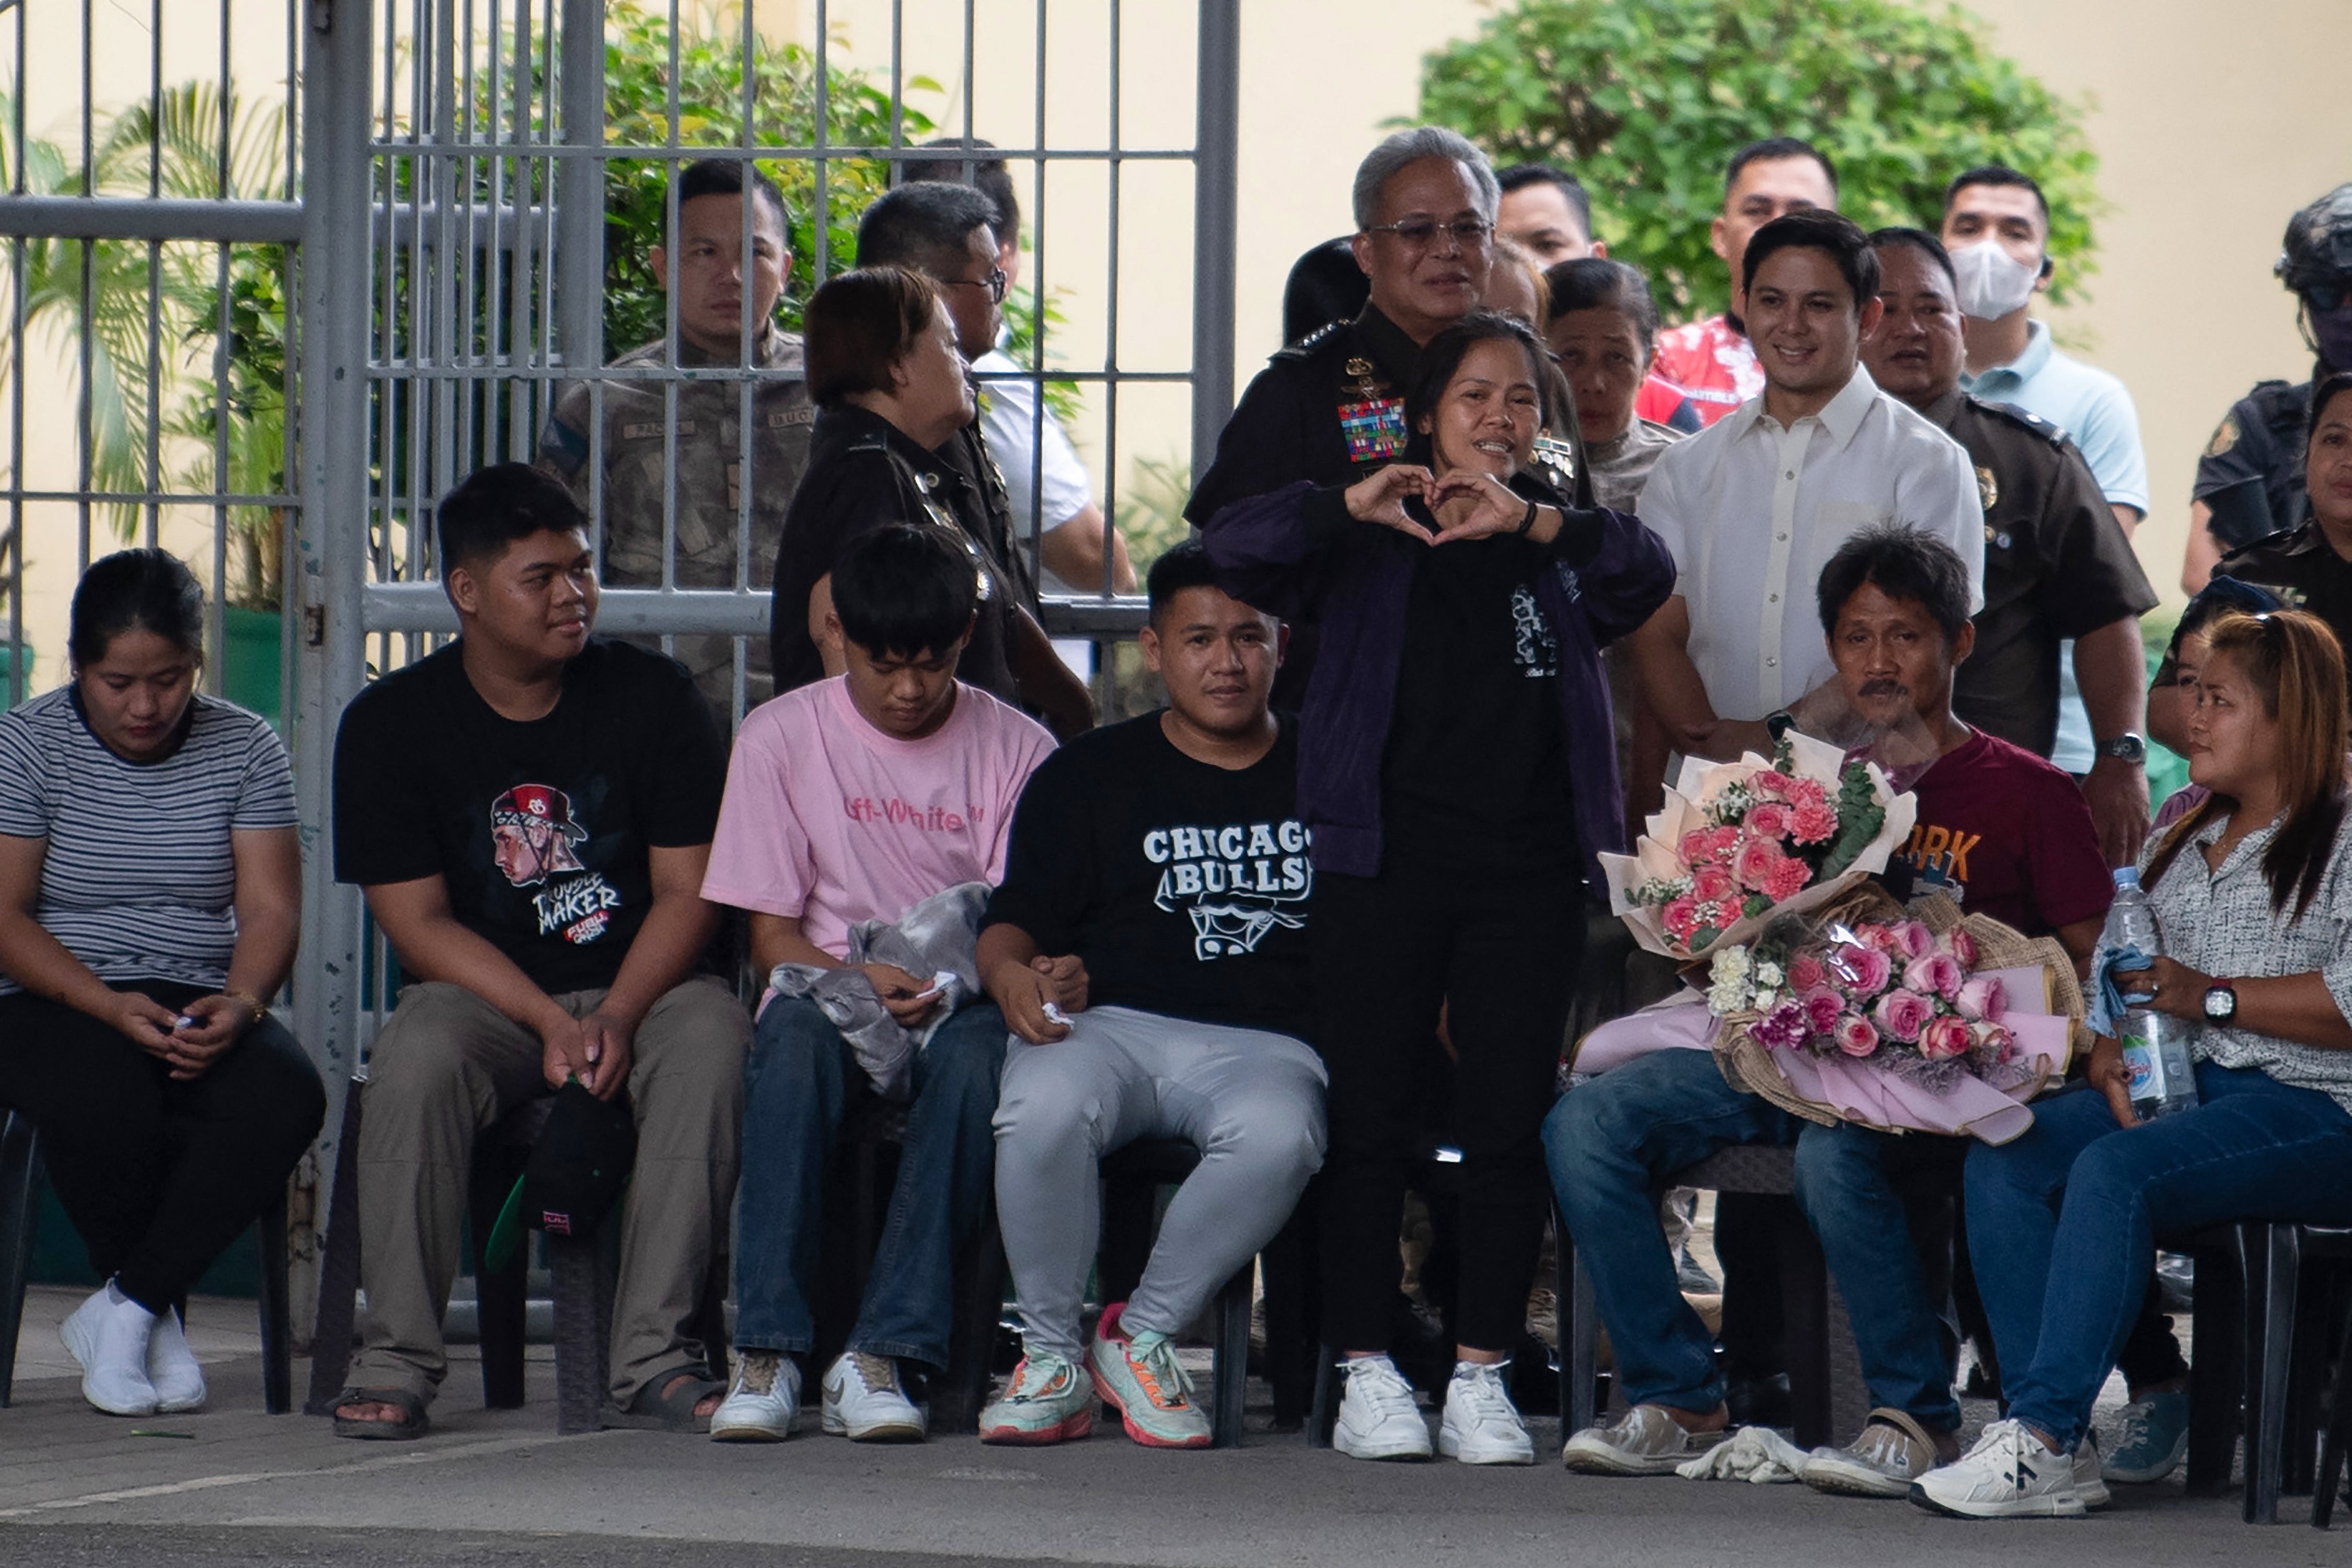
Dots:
pixel 150 890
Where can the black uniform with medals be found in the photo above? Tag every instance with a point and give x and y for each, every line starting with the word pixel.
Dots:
pixel 2251 475
pixel 864 473
pixel 2057 565
pixel 2301 567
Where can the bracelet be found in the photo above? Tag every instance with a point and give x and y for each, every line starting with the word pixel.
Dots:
pixel 253 1003
pixel 1527 523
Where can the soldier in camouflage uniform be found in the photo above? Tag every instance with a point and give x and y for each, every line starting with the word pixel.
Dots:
pixel 712 290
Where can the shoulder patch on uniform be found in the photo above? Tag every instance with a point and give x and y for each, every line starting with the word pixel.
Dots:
pixel 2225 435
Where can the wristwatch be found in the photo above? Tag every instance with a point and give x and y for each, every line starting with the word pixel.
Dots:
pixel 2125 748
pixel 2220 1002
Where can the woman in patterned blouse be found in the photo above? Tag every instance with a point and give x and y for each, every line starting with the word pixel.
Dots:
pixel 2252 892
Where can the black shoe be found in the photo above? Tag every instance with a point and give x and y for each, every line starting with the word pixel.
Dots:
pixel 1760 1401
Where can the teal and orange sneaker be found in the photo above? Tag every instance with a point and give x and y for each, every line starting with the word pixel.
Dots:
pixel 1141 1377
pixel 1047 1401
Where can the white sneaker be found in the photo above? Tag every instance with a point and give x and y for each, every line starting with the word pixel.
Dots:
pixel 172 1369
pixel 2010 1474
pixel 108 1335
pixel 1379 1418
pixel 1645 1441
pixel 1482 1426
pixel 762 1400
pixel 2090 1474
pixel 864 1403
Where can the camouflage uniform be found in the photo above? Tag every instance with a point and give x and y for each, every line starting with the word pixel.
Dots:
pixel 709 495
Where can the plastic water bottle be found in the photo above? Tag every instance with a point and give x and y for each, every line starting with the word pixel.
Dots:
pixel 2155 1045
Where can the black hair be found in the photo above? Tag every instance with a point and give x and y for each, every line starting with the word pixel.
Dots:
pixel 1997 175
pixel 1776 147
pixel 986 175
pixel 1603 283
pixel 727 177
pixel 1920 240
pixel 904 590
pixel 141 591
pixel 861 322
pixel 1519 177
pixel 1904 563
pixel 1817 228
pixel 923 224
pixel 2330 387
pixel 1325 285
pixel 1185 565
pixel 1442 355
pixel 493 507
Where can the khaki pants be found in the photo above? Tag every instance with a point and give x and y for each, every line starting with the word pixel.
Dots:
pixel 446 1068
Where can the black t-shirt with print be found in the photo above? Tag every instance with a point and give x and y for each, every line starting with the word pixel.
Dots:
pixel 541 831
pixel 1183 886
pixel 1477 766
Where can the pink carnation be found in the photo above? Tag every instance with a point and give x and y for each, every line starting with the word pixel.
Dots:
pixel 1865 970
pixel 1962 945
pixel 1807 973
pixel 1823 1007
pixel 1801 791
pixel 1712 884
pixel 1983 996
pixel 1769 818
pixel 1854 1035
pixel 1812 823
pixel 1758 858
pixel 1944 1037
pixel 1681 917
pixel 1936 973
pixel 1901 1015
pixel 1788 880
pixel 1783 1028
pixel 1916 940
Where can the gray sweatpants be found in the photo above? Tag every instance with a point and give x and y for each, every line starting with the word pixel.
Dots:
pixel 1250 1100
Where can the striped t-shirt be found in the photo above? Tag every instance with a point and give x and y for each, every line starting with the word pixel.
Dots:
pixel 140 881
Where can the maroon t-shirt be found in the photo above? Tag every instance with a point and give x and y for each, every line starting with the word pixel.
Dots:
pixel 2007 835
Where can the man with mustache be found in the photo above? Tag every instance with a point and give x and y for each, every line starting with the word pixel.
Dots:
pixel 2058 567
pixel 2001 831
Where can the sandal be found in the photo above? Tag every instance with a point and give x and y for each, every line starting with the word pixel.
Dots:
pixel 412 1422
pixel 666 1402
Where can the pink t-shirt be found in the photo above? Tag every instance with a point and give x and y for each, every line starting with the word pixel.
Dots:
pixel 830 820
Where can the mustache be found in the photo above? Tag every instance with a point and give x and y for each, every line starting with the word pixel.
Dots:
pixel 1884 688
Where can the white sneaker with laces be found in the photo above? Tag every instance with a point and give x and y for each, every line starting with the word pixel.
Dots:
pixel 172 1367
pixel 762 1400
pixel 1482 1426
pixel 2090 1474
pixel 108 1336
pixel 2010 1474
pixel 1379 1418
pixel 1645 1441
pixel 864 1403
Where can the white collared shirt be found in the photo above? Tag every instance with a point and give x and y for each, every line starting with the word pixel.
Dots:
pixel 1753 511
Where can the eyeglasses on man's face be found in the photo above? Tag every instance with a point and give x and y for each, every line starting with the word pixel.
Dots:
pixel 1420 233
pixel 993 283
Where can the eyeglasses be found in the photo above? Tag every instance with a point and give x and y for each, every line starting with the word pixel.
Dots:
pixel 993 283
pixel 1420 233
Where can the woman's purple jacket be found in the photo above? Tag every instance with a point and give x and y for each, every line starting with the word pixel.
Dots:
pixel 1296 553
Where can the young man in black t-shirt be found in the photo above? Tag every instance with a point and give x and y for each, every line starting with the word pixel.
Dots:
pixel 1165 854
pixel 530 811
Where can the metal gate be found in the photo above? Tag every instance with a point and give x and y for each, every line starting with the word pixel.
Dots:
pixel 442 245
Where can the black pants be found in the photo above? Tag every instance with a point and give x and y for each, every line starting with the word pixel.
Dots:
pixel 1500 953
pixel 158 1175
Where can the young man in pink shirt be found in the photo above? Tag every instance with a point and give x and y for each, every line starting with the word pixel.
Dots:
pixel 854 799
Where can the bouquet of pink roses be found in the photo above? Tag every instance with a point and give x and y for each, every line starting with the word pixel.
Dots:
pixel 1736 844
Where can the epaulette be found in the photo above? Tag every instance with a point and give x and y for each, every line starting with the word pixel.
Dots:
pixel 2023 418
pixel 1314 342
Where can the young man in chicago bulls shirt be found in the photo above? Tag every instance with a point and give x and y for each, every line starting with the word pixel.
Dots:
pixel 854 799
pixel 530 810
pixel 1165 854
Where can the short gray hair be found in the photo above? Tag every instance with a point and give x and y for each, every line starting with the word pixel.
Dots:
pixel 1382 163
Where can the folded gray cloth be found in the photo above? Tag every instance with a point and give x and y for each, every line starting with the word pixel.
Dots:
pixel 939 937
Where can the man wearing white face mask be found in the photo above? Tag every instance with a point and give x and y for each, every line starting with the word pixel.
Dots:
pixel 1997 227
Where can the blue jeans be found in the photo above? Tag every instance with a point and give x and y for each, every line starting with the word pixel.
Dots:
pixel 1609 1141
pixel 798 1083
pixel 2070 1187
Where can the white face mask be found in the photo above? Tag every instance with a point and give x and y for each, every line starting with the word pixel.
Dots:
pixel 1993 283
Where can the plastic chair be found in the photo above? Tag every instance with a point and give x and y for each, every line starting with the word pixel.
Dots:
pixel 2286 1349
pixel 19 1157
